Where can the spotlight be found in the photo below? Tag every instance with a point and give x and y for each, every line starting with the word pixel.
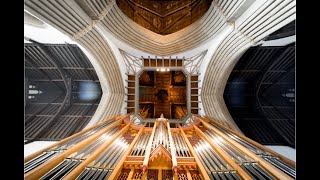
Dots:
pixel 162 69
pixel 157 69
pixel 168 69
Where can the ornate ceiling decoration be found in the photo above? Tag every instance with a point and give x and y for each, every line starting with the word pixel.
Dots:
pixel 135 64
pixel 251 21
pixel 164 17
pixel 163 93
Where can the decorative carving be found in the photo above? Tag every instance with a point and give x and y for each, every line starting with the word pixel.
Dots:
pixel 167 175
pixel 172 103
pixel 152 174
pixel 195 175
pixel 175 169
pixel 156 22
pixel 184 159
pixel 169 6
pixel 137 174
pixel 144 168
pixel 163 95
pixel 168 22
pixel 134 158
pixel 193 63
pixel 164 17
pixel 182 175
pixel 160 150
pixel 133 64
pixel 124 174
pixel 156 5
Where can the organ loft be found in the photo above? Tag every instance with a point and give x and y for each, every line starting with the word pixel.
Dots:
pixel 159 90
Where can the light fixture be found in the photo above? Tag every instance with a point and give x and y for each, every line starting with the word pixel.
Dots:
pixel 162 69
pixel 168 69
pixel 157 69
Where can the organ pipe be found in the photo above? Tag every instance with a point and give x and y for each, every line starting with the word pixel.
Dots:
pixel 140 147
pixel 246 163
pixel 181 147
pixel 77 158
pixel 102 167
pixel 276 161
pixel 114 150
pixel 273 170
pixel 42 169
pixel 49 154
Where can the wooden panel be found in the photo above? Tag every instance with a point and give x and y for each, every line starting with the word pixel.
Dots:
pixel 194 111
pixel 130 104
pixel 194 104
pixel 159 62
pixel 194 84
pixel 131 110
pixel 179 63
pixel 173 63
pixel 166 62
pixel 194 78
pixel 130 84
pixel 153 63
pixel 146 62
pixel 167 92
pixel 194 91
pixel 164 17
pixel 131 91
pixel 130 97
pixel 131 77
pixel 194 98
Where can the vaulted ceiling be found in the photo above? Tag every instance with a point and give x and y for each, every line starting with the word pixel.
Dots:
pixel 260 94
pixel 226 30
pixel 163 93
pixel 62 91
pixel 164 17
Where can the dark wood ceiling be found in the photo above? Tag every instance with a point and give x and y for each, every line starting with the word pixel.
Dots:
pixel 260 94
pixel 164 16
pixel 163 92
pixel 56 114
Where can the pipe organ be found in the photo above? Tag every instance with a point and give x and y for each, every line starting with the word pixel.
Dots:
pixel 102 166
pixel 161 136
pixel 274 160
pixel 140 148
pixel 50 153
pixel 120 148
pixel 181 147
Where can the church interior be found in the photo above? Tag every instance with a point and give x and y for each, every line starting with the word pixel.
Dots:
pixel 159 89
